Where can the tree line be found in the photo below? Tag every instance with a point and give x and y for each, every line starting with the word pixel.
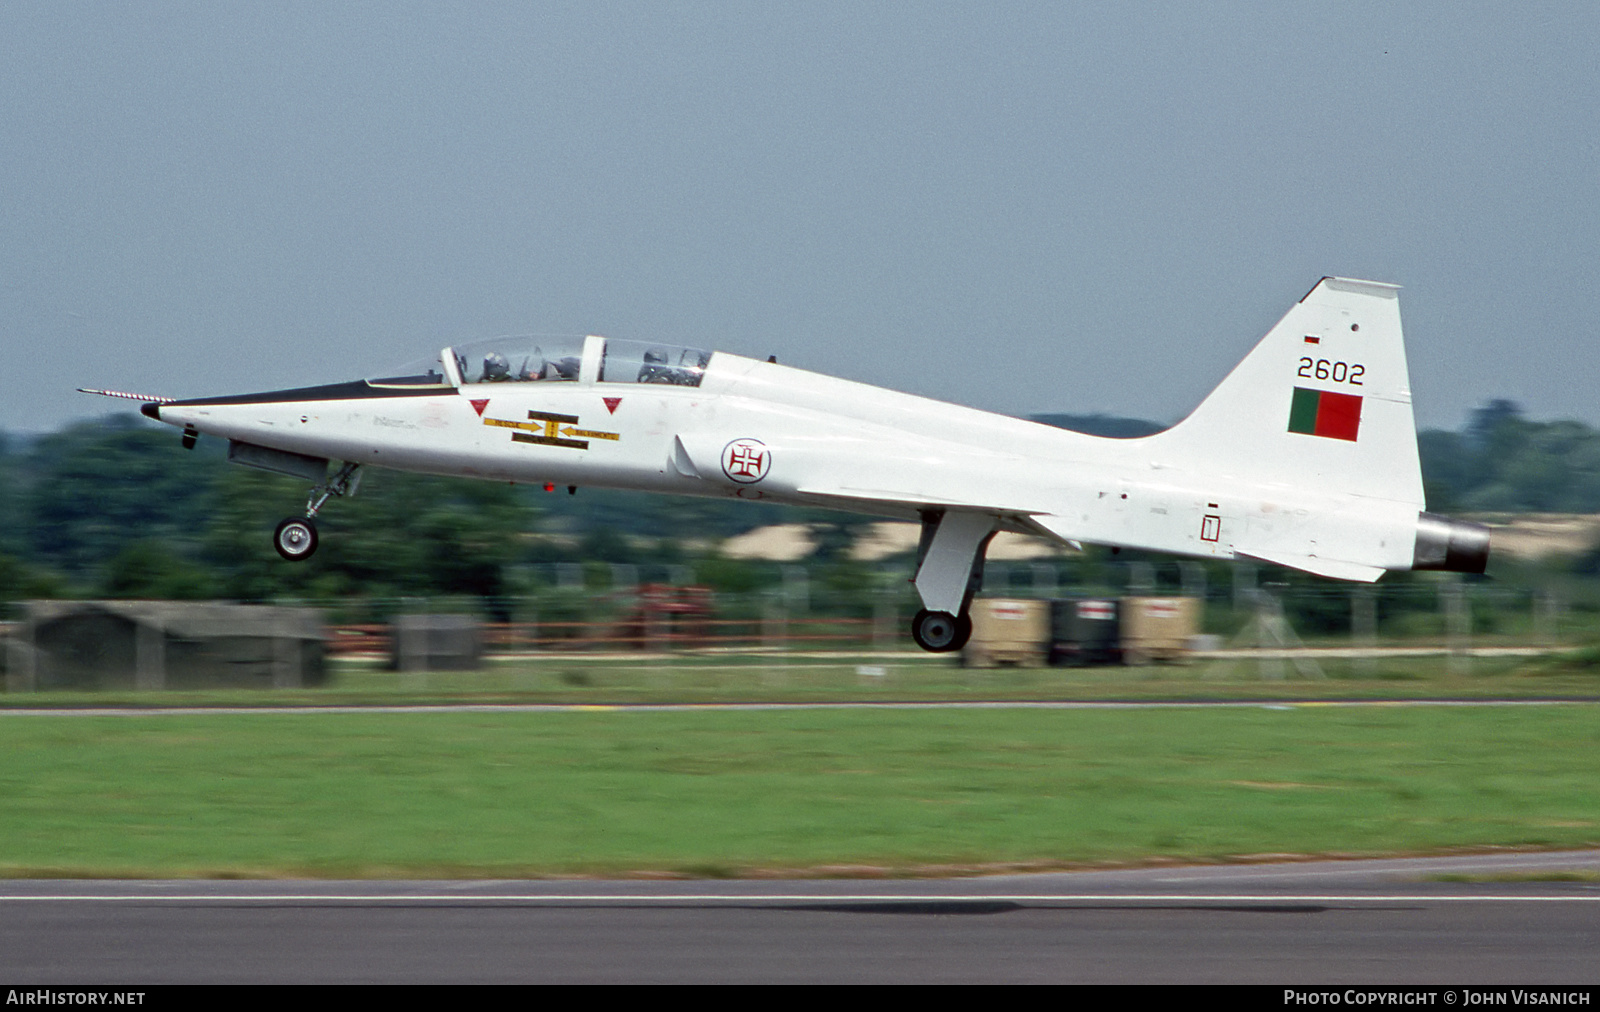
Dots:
pixel 118 508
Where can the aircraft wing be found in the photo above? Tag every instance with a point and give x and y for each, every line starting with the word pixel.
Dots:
pixel 915 499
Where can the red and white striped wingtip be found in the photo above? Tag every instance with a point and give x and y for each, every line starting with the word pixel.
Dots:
pixel 148 398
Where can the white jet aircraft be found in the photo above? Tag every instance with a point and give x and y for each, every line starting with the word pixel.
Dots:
pixel 1305 455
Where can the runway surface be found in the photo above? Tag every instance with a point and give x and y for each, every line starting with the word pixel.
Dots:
pixel 1505 919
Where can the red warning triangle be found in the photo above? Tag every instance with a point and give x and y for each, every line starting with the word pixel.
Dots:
pixel 611 404
pixel 478 406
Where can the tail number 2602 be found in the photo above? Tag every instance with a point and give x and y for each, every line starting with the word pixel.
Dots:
pixel 1338 372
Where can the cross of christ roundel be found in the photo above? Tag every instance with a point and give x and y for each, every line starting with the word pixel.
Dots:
pixel 746 461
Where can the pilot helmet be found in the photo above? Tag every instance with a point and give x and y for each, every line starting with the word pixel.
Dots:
pixel 495 366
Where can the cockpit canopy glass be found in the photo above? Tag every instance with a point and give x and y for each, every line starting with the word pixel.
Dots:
pixel 424 372
pixel 642 362
pixel 519 359
pixel 527 359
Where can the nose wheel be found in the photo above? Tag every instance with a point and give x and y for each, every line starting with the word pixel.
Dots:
pixel 940 632
pixel 296 538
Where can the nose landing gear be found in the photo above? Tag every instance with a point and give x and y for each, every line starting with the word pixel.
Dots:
pixel 296 538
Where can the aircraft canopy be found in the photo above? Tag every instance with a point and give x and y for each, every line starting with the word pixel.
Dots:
pixel 642 362
pixel 527 359
pixel 424 372
pixel 519 359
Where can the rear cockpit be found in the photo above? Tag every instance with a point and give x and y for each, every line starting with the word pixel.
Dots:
pixel 642 362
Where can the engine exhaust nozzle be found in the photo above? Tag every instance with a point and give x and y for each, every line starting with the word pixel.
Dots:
pixel 1451 546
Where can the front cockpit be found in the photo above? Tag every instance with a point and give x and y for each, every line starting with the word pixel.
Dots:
pixel 520 359
pixel 554 359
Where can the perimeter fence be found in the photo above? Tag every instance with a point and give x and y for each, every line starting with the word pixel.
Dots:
pixel 618 610
pixel 805 613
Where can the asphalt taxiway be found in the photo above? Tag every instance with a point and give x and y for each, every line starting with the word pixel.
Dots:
pixel 1519 918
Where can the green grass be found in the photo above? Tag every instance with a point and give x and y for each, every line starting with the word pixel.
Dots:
pixel 762 792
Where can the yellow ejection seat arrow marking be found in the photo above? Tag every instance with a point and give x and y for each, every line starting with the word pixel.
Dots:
pixel 548 430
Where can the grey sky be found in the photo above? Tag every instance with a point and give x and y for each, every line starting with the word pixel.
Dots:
pixel 1024 207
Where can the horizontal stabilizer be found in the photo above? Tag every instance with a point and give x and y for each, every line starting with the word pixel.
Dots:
pixel 1321 567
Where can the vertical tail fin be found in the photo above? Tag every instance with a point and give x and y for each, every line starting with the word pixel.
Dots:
pixel 1323 402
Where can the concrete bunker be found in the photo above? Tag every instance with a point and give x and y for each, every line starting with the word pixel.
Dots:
pixel 67 645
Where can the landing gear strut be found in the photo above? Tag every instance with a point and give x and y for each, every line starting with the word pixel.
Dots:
pixel 940 632
pixel 949 572
pixel 296 538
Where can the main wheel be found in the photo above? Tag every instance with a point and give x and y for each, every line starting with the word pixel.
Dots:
pixel 295 539
pixel 963 631
pixel 940 632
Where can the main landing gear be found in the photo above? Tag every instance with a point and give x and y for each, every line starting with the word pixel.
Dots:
pixel 949 572
pixel 940 632
pixel 296 538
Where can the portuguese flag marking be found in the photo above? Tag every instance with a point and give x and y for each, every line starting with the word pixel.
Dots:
pixel 1325 413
